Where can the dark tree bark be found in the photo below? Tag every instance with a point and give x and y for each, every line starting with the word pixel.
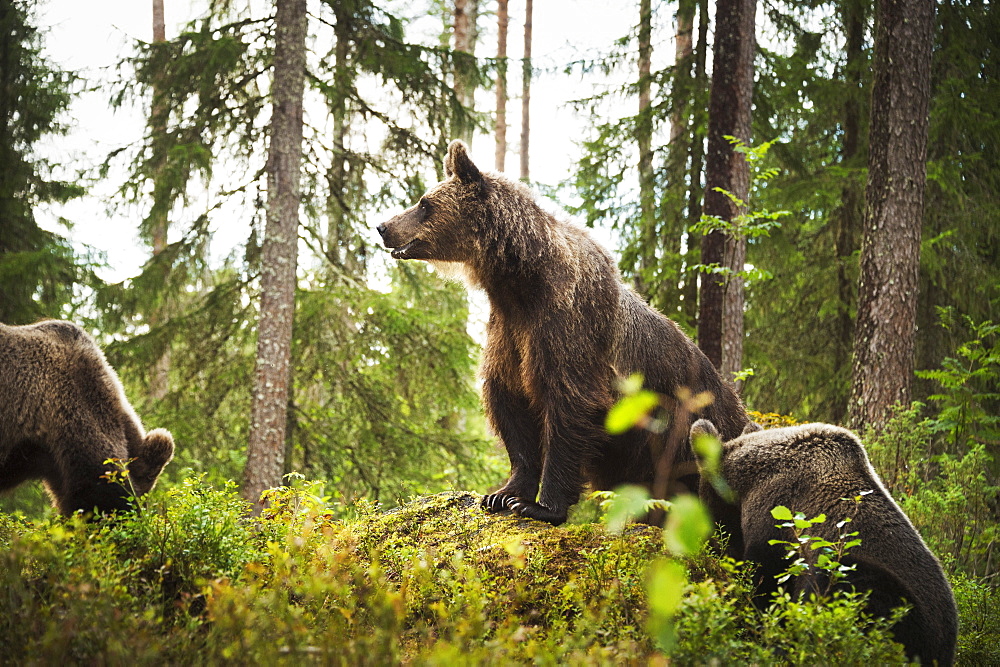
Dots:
pixel 890 246
pixel 266 448
pixel 720 320
pixel 847 219
pixel 500 128
pixel 692 256
pixel 644 137
pixel 526 93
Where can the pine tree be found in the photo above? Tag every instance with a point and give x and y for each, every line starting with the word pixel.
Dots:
pixel 266 449
pixel 960 248
pixel 381 395
pixel 500 126
pixel 38 269
pixel 802 364
pixel 526 74
pixel 890 246
pixel 466 34
pixel 159 221
pixel 720 318
pixel 644 138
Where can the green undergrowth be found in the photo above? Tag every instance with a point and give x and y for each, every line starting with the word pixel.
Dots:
pixel 192 580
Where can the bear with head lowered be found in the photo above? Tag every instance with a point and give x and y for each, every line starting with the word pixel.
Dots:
pixel 63 413
pixel 823 469
pixel 563 331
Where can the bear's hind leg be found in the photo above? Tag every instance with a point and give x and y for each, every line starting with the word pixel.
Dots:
pixel 512 420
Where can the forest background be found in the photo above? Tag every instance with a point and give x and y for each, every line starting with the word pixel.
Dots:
pixel 381 401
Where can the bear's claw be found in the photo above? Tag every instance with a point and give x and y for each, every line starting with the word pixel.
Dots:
pixel 498 502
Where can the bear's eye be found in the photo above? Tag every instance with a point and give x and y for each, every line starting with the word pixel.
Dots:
pixel 425 205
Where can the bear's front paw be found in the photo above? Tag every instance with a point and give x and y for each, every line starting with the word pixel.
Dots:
pixel 530 510
pixel 498 502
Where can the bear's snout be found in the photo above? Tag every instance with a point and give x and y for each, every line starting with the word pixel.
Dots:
pixel 400 234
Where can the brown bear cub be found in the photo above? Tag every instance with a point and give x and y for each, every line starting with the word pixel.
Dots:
pixel 63 413
pixel 563 330
pixel 821 469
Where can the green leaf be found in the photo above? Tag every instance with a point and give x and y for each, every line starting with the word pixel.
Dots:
pixel 782 513
pixel 709 451
pixel 627 503
pixel 664 590
pixel 665 587
pixel 688 526
pixel 630 411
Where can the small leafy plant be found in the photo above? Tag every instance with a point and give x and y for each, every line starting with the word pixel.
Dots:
pixel 809 554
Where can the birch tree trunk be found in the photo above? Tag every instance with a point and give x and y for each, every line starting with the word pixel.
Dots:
pixel 890 245
pixel 272 378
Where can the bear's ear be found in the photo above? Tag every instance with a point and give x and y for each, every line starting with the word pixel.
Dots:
pixel 459 164
pixel 704 427
pixel 752 427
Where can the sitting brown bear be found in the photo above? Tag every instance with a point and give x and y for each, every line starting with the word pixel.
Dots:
pixel 821 469
pixel 63 413
pixel 563 331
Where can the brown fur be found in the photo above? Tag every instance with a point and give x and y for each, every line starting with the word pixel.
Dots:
pixel 63 413
pixel 819 469
pixel 563 330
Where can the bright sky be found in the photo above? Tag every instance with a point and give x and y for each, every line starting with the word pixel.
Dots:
pixel 91 41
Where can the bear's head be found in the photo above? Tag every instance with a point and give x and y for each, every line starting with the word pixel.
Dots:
pixel 154 452
pixel 439 227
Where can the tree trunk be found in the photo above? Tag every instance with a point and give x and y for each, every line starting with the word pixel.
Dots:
pixel 500 129
pixel 847 218
pixel 890 245
pixel 644 137
pixel 526 92
pixel 692 256
pixel 720 323
pixel 342 249
pixel 671 215
pixel 683 50
pixel 265 451
pixel 159 222
pixel 465 42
